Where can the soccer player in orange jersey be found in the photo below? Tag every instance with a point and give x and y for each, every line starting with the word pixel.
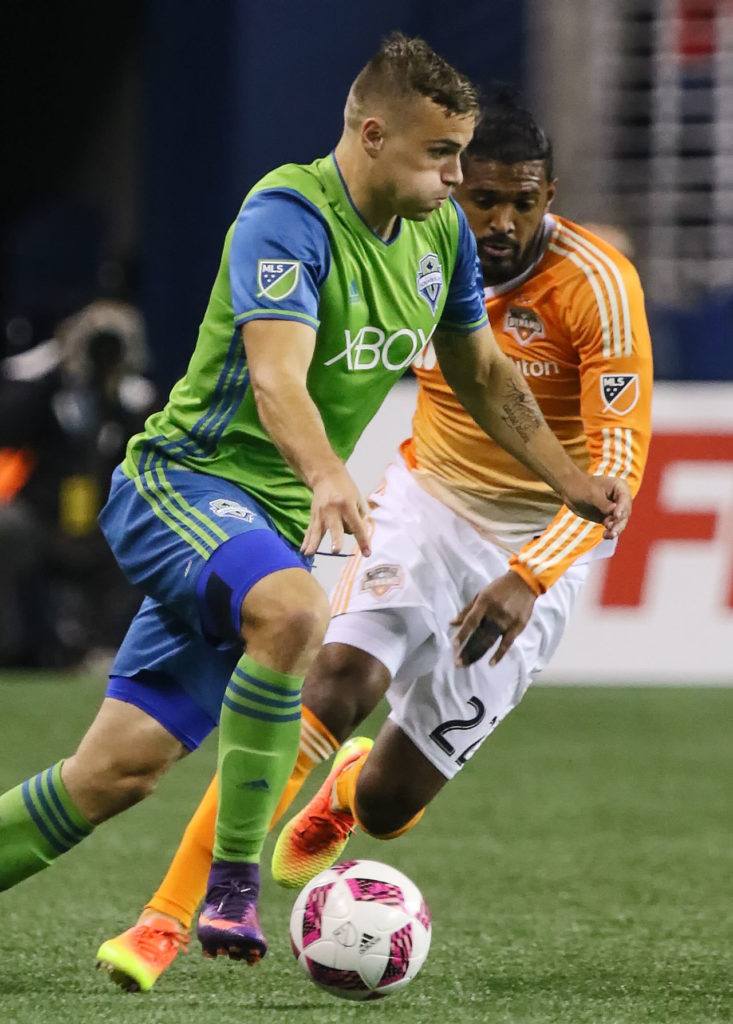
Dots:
pixel 475 565
pixel 462 533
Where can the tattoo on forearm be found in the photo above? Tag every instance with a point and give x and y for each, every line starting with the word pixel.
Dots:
pixel 520 410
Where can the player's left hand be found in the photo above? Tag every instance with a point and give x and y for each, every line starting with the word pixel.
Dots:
pixel 502 609
pixel 601 499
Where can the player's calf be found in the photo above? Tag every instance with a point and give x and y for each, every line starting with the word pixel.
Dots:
pixel 118 761
pixel 343 687
pixel 391 789
pixel 385 809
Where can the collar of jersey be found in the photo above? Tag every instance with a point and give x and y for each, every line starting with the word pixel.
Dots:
pixel 355 218
pixel 548 226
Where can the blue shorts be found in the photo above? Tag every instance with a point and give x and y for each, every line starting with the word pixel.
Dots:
pixel 195 544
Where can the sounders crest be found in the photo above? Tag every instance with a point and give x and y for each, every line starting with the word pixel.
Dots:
pixel 430 279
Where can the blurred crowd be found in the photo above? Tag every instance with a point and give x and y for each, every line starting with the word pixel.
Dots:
pixel 68 404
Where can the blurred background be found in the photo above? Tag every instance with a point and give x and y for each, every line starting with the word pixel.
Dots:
pixel 133 130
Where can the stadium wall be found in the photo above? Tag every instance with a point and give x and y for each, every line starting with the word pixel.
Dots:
pixel 661 611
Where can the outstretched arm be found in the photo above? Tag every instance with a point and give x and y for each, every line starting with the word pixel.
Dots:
pixel 490 387
pixel 279 353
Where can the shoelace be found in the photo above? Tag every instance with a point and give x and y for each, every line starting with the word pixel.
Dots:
pixel 152 942
pixel 234 900
pixel 324 829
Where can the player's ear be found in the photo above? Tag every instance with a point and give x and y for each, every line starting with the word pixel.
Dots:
pixel 551 190
pixel 372 135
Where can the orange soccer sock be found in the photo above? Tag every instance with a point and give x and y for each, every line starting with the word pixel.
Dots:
pixel 316 745
pixel 184 885
pixel 345 792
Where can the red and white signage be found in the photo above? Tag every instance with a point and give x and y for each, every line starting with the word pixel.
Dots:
pixel 661 610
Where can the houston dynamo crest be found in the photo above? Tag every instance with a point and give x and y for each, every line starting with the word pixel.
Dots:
pixel 276 279
pixel 430 279
pixel 524 324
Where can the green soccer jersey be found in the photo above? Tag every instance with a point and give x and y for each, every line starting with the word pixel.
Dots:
pixel 299 250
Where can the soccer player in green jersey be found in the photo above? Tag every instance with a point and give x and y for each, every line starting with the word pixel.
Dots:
pixel 333 278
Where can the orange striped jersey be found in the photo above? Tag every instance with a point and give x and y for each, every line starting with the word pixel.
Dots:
pixel 574 323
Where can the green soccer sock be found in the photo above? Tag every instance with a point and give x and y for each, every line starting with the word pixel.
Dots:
pixel 38 822
pixel 259 731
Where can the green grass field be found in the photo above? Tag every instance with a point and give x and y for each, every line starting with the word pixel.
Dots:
pixel 578 872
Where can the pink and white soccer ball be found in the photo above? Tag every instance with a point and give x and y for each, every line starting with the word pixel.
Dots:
pixel 360 930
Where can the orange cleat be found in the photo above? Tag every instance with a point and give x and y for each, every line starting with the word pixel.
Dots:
pixel 314 839
pixel 136 959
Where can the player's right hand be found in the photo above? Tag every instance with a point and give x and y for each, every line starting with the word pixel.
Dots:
pixel 601 499
pixel 502 609
pixel 337 508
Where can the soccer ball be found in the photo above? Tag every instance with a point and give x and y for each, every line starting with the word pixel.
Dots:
pixel 360 930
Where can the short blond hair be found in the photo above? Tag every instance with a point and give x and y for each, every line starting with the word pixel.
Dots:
pixel 405 67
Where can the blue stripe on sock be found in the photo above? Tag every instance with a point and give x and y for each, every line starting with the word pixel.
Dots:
pixel 61 810
pixel 38 820
pixel 51 818
pixel 258 699
pixel 263 716
pixel 270 687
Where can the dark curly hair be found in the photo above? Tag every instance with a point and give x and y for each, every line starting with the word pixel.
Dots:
pixel 508 132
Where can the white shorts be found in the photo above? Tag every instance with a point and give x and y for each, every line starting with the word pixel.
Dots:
pixel 426 564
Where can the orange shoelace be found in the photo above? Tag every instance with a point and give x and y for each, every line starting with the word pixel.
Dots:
pixel 158 943
pixel 322 829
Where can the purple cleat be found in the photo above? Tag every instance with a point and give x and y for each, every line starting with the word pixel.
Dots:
pixel 228 924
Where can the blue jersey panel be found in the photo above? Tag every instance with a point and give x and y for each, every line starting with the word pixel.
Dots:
pixel 464 306
pixel 280 256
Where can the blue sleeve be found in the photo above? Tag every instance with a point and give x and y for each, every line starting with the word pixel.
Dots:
pixel 464 307
pixel 279 257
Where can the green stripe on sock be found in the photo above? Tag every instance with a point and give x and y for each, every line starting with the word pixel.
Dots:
pixel 259 731
pixel 66 808
pixel 269 675
pixel 240 694
pixel 54 845
pixel 38 822
pixel 42 800
pixel 245 680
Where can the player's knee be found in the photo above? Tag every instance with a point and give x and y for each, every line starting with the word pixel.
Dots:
pixel 343 686
pixel 129 786
pixel 304 628
pixel 384 806
pixel 286 621
pixel 110 786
